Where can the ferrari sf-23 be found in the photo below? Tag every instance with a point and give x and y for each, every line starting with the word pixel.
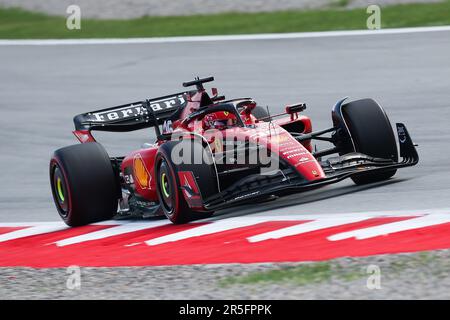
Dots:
pixel 211 153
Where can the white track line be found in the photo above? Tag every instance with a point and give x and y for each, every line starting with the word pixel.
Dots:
pixel 410 224
pixel 239 222
pixel 32 231
pixel 306 227
pixel 110 232
pixel 215 227
pixel 311 222
pixel 244 37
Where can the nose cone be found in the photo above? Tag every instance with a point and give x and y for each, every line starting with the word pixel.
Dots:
pixel 281 143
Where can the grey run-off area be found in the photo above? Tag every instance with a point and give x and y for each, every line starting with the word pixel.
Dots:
pixel 119 9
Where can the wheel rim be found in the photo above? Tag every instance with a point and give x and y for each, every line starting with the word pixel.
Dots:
pixel 60 191
pixel 165 187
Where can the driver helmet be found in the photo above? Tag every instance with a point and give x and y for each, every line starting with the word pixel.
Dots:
pixel 219 120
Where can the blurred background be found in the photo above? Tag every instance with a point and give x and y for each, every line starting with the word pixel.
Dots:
pixel 117 9
pixel 145 18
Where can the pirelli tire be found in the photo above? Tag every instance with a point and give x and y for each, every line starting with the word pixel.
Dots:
pixel 84 185
pixel 169 188
pixel 371 133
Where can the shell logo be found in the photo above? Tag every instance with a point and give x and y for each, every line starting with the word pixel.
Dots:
pixel 141 173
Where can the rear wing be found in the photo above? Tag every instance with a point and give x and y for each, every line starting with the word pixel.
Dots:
pixel 133 116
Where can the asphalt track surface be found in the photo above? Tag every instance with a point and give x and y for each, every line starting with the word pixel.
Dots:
pixel 43 87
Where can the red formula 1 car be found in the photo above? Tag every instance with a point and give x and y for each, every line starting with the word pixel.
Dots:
pixel 212 153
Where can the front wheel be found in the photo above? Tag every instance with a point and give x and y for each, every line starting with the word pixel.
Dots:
pixel 371 134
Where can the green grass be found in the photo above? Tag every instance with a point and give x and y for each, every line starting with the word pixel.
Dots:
pixel 300 275
pixel 319 272
pixel 20 24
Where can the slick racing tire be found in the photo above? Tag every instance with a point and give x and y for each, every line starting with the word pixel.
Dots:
pixel 83 183
pixel 372 134
pixel 169 188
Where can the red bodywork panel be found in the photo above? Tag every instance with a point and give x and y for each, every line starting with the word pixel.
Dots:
pixel 281 142
pixel 191 191
pixel 83 136
pixel 138 167
pixel 299 121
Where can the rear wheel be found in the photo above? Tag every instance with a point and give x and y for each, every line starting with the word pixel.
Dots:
pixel 83 184
pixel 372 134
